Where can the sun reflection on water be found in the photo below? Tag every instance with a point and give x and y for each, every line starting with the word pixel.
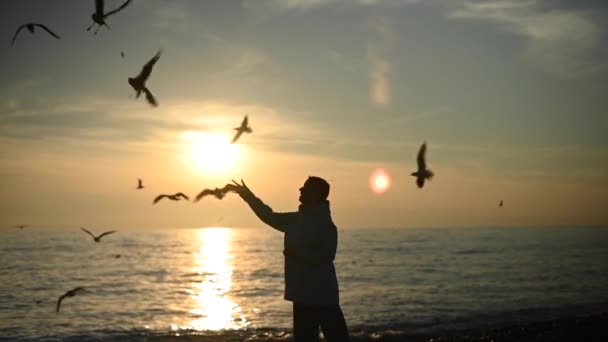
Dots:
pixel 213 306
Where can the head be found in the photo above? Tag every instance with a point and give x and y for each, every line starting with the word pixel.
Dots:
pixel 315 190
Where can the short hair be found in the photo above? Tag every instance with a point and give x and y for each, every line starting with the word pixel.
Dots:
pixel 319 186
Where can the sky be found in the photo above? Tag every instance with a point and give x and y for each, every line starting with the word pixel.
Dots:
pixel 510 97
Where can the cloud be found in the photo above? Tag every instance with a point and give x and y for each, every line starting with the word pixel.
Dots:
pixel 566 42
pixel 380 67
pixel 305 5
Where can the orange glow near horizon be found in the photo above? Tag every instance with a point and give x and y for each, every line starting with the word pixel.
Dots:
pixel 379 181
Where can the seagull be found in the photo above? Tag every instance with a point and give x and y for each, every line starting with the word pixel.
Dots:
pixel 70 293
pixel 99 17
pixel 21 226
pixel 139 184
pixel 98 238
pixel 31 27
pixel 500 204
pixel 244 128
pixel 175 197
pixel 139 83
pixel 217 192
pixel 422 173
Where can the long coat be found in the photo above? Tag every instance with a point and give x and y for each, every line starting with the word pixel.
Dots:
pixel 310 242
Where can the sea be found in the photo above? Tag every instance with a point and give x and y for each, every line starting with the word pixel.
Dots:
pixel 226 284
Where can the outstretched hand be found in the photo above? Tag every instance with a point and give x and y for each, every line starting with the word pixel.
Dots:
pixel 240 189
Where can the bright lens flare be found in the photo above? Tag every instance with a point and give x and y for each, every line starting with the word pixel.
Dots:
pixel 212 152
pixel 379 181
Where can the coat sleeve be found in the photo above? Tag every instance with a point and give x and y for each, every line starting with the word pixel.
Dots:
pixel 278 221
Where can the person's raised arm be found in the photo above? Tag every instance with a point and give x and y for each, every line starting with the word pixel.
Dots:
pixel 278 221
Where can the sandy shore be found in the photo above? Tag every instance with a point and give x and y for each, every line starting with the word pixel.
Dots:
pixel 583 328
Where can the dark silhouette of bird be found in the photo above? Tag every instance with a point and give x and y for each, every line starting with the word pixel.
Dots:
pixel 500 204
pixel 122 54
pixel 70 293
pixel 175 197
pixel 219 193
pixel 139 82
pixel 422 173
pixel 243 128
pixel 98 238
pixel 99 17
pixel 139 184
pixel 21 226
pixel 38 301
pixel 116 256
pixel 31 27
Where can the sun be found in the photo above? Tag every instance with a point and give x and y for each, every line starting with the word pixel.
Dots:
pixel 380 181
pixel 213 152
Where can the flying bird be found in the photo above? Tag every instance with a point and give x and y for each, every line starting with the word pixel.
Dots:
pixel 243 128
pixel 98 238
pixel 70 293
pixel 217 192
pixel 31 27
pixel 175 197
pixel 99 17
pixel 122 54
pixel 116 256
pixel 422 173
pixel 139 83
pixel 38 301
pixel 21 226
pixel 139 184
pixel 500 204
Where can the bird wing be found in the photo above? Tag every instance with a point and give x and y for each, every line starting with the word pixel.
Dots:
pixel 147 69
pixel 139 182
pixel 59 302
pixel 245 122
pixel 203 194
pixel 150 98
pixel 99 7
pixel 236 136
pixel 421 156
pixel 17 32
pixel 420 182
pixel 48 30
pixel 88 232
pixel 181 194
pixel 159 197
pixel 118 9
pixel 106 233
pixel 78 289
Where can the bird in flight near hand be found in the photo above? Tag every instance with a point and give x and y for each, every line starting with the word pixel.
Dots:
pixel 175 197
pixel 139 83
pixel 70 293
pixel 98 238
pixel 31 27
pixel 99 17
pixel 244 128
pixel 422 173
pixel 139 184
pixel 217 192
